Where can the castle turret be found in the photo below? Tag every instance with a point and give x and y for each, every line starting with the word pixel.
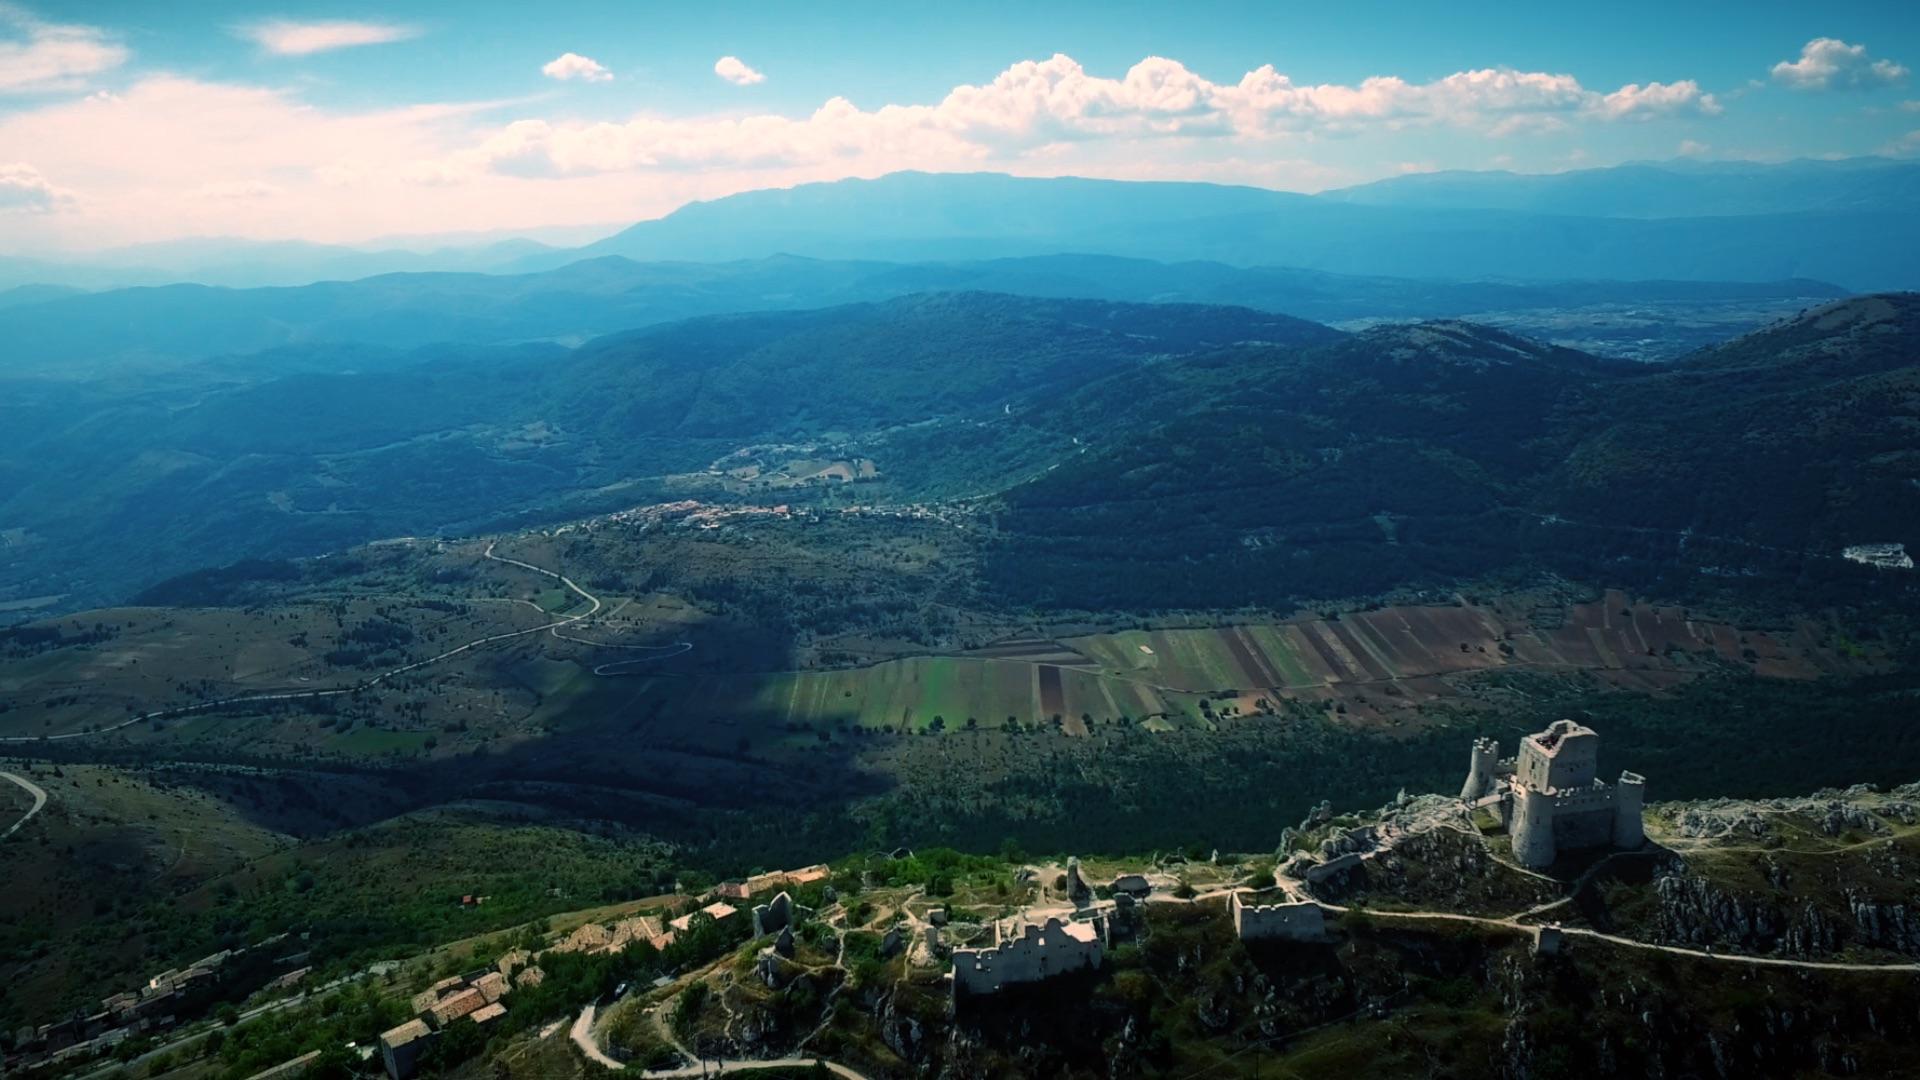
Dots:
pixel 1629 798
pixel 1532 829
pixel 1480 770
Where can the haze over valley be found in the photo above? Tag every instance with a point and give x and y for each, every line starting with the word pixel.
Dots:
pixel 812 543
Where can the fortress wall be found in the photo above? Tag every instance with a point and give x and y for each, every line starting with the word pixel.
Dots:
pixel 1580 829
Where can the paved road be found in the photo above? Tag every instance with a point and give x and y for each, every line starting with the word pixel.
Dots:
pixel 39 801
pixel 302 695
pixel 123 1068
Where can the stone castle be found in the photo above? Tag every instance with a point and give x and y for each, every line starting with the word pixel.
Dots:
pixel 1550 798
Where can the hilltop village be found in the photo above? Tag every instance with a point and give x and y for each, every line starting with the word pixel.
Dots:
pixel 775 966
pixel 1543 804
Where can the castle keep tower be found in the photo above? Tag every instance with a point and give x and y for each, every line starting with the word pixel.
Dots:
pixel 1553 799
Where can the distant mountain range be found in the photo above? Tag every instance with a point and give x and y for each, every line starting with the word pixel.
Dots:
pixel 1851 222
pixel 249 263
pixel 1671 189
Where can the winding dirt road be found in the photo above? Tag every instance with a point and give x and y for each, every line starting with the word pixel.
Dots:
pixel 304 695
pixel 39 802
pixel 1676 950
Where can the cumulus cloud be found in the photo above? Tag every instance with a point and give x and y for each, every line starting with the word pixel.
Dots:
pixel 24 190
pixel 735 71
pixel 1907 145
pixel 284 37
pixel 1831 64
pixel 574 66
pixel 39 56
pixel 1039 104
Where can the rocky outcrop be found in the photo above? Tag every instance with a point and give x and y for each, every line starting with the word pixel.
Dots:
pixel 1696 912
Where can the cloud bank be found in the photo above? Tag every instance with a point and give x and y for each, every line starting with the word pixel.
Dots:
pixel 1039 104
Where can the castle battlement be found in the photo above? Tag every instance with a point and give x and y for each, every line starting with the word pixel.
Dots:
pixel 1552 799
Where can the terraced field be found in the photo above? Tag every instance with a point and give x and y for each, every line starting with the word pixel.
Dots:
pixel 934 693
pixel 1373 665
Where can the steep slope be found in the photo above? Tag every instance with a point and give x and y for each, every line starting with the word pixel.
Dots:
pixel 1269 475
pixel 1803 436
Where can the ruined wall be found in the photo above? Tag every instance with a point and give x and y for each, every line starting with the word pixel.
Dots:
pixel 1305 921
pixel 1039 952
pixel 1630 798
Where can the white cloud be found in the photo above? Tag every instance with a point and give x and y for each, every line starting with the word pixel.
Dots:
pixel 1691 148
pixel 1659 99
pixel 23 189
pixel 735 71
pixel 1038 104
pixel 284 37
pixel 41 56
pixel 1831 64
pixel 1910 106
pixel 574 66
pixel 1907 145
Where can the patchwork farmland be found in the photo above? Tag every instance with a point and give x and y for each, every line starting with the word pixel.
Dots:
pixel 1368 666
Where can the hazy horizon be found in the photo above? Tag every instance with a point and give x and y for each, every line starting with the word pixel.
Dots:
pixel 122 124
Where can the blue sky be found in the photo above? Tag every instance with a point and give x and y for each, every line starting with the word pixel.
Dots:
pixel 125 122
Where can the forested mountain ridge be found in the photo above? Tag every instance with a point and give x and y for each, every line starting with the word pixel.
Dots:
pixel 272 456
pixel 67 334
pixel 1428 452
pixel 1258 447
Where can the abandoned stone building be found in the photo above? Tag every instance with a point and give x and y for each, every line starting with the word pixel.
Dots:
pixel 1026 952
pixel 1304 921
pixel 1550 797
